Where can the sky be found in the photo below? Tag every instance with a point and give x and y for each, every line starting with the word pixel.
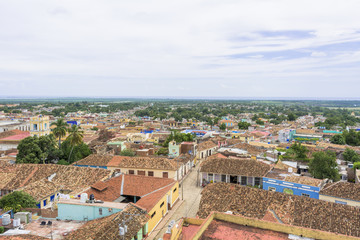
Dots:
pixel 240 48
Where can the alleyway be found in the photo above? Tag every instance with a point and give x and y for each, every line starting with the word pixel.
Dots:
pixel 190 205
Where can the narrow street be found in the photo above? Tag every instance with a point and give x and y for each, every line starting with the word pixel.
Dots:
pixel 191 202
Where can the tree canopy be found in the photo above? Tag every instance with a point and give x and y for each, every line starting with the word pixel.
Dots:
pixel 60 129
pixel 351 156
pixel 178 138
pixel 323 165
pixel 43 149
pixel 127 152
pixel 244 125
pixel 37 149
pixel 17 200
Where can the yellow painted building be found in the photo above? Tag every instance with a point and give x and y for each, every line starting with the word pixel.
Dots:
pixel 156 196
pixel 39 125
pixel 162 207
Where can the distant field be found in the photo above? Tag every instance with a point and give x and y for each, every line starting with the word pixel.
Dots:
pixel 333 104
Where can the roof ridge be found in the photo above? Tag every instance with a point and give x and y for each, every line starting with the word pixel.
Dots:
pixel 28 177
pixel 331 185
pixel 156 190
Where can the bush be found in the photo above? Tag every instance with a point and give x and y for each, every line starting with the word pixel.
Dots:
pixel 357 165
pixel 63 162
pixel 2 229
pixel 17 200
pixel 127 152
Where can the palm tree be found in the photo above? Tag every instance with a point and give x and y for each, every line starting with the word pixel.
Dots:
pixel 60 129
pixel 75 137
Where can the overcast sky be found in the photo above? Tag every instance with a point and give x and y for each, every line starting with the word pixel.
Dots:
pixel 253 48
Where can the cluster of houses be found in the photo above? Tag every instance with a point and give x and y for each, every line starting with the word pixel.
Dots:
pixel 246 187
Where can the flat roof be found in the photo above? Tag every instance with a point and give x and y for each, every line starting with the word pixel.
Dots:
pixel 105 204
pixel 221 230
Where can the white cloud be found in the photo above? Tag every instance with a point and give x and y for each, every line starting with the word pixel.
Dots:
pixel 318 54
pixel 133 48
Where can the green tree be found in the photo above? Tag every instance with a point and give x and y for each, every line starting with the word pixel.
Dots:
pixel 60 129
pixel 356 165
pixel 17 200
pixel 210 122
pixel 127 152
pixel 299 150
pixel 63 162
pixel 291 117
pixel 222 127
pixel 323 165
pixel 37 149
pixel 162 151
pixel 178 137
pixel 259 122
pixel 244 125
pixel 338 139
pixel 351 156
pixel 78 152
pixel 352 137
pixel 75 137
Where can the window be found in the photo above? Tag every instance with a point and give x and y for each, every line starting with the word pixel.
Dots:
pixel 243 180
pixel 152 215
pixel 272 189
pixel 100 211
pixel 162 204
pixel 150 173
pixel 175 190
pixel 142 173
pixel 131 172
pixel 223 178
pixel 210 177
pixel 257 181
pixel 165 174
pixel 305 195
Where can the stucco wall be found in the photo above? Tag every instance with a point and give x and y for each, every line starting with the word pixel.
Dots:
pixel 340 200
pixel 80 212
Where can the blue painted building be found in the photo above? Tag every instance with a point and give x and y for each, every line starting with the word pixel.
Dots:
pixel 94 161
pixel 291 188
pixel 73 209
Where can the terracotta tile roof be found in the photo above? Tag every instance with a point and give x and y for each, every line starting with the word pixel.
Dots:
pixel 95 160
pixel 206 145
pixel 142 162
pixel 107 228
pixel 23 237
pixel 342 190
pixel 71 178
pixel 304 180
pixel 10 133
pixel 305 131
pixel 225 230
pixel 243 167
pixel 217 155
pixel 249 148
pixel 40 189
pixel 277 173
pixel 16 137
pixel 290 209
pixel 150 189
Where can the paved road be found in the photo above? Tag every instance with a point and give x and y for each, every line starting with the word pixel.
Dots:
pixel 191 202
